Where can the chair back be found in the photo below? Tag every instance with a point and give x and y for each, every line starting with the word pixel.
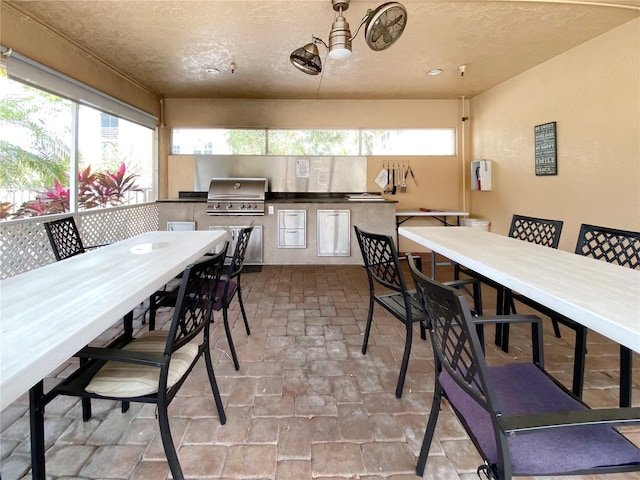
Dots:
pixel 456 345
pixel 381 260
pixel 536 230
pixel 237 260
pixel 64 238
pixel 611 245
pixel 195 300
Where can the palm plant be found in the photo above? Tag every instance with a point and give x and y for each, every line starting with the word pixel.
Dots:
pixel 41 159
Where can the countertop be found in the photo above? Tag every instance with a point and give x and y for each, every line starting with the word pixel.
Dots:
pixel 201 197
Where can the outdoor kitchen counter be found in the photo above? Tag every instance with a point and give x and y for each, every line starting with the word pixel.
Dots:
pixel 307 198
pixel 371 215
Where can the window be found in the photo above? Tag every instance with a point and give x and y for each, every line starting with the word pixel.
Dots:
pixel 130 145
pixel 218 141
pixel 108 127
pixel 427 141
pixel 115 156
pixel 313 142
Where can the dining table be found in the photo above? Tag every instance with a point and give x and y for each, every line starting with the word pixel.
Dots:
pixel 600 296
pixel 445 217
pixel 49 314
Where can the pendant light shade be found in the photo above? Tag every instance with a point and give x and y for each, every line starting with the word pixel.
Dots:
pixel 307 59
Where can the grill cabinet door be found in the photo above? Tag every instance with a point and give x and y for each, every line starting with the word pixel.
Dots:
pixel 334 233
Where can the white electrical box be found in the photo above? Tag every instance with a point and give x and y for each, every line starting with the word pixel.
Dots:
pixel 481 175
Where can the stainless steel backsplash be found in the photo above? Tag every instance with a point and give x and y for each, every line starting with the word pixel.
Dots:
pixel 287 174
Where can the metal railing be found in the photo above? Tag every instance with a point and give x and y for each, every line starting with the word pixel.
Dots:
pixel 24 244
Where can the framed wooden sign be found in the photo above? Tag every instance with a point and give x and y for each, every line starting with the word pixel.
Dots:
pixel 546 149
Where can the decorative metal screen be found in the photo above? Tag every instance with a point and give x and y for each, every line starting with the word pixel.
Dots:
pixel 24 244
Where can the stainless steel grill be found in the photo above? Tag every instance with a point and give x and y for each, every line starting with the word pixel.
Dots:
pixel 237 196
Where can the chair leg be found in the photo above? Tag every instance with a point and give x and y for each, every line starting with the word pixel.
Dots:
pixel 367 329
pixel 431 428
pixel 227 330
pixel 423 331
pixel 405 359
pixel 214 386
pixel 244 315
pixel 167 442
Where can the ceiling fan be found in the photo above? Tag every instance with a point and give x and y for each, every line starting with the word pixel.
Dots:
pixel 382 28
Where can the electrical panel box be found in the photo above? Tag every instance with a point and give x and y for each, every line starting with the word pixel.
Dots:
pixel 481 175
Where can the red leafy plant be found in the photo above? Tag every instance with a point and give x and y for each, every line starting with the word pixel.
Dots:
pixel 99 189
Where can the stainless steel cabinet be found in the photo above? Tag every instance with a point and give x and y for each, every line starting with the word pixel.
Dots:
pixel 292 229
pixel 253 255
pixel 334 233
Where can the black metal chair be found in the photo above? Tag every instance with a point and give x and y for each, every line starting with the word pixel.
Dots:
pixel 387 288
pixel 66 242
pixel 521 421
pixel 620 247
pixel 540 231
pixel 228 287
pixel 64 238
pixel 153 367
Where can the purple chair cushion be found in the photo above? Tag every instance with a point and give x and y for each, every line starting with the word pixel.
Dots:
pixel 217 305
pixel 521 388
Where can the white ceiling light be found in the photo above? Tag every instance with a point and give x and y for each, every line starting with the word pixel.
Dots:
pixel 434 72
pixel 212 70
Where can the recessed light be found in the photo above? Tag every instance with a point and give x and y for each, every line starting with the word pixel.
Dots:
pixel 212 70
pixel 434 72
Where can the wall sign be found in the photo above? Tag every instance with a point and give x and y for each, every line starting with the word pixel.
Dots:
pixel 546 152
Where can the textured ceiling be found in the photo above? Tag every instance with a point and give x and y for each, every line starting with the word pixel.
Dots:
pixel 166 45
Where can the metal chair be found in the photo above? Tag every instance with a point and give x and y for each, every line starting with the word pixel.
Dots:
pixel 66 242
pixel 540 231
pixel 228 287
pixel 521 421
pixel 153 367
pixel 64 238
pixel 387 288
pixel 620 247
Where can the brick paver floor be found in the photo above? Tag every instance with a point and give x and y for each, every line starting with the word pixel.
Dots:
pixel 306 403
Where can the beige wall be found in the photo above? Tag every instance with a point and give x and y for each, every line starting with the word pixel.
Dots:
pixel 593 93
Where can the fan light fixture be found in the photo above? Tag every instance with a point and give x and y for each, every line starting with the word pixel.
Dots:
pixel 383 26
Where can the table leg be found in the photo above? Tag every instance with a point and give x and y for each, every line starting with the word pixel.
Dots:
pixel 36 414
pixel 626 381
